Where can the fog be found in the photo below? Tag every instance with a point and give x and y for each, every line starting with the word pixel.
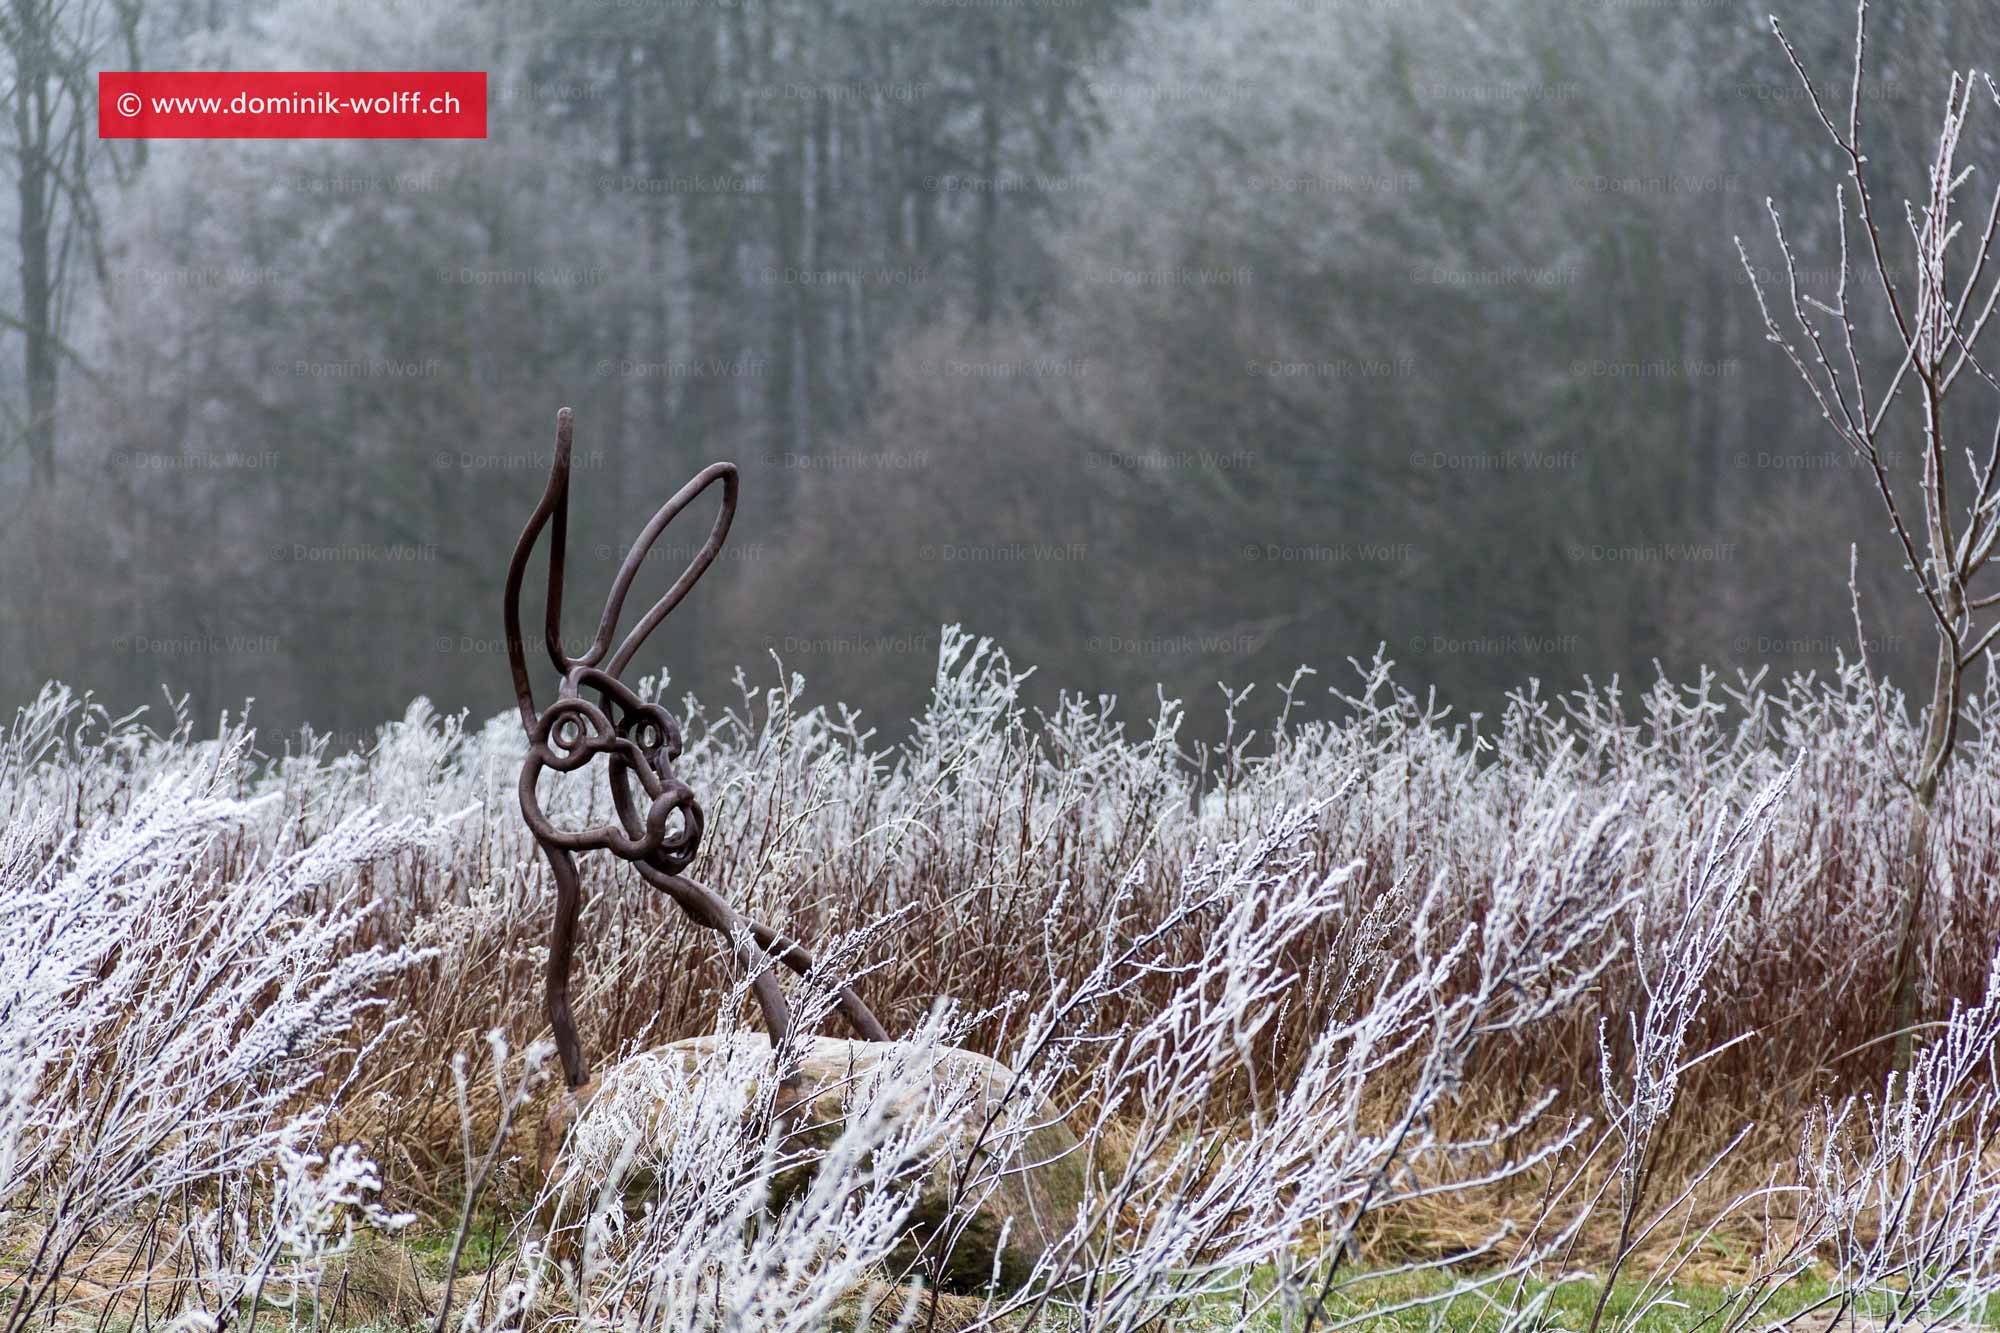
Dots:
pixel 1169 345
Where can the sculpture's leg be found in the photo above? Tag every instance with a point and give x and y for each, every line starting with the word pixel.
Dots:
pixel 794 955
pixel 695 897
pixel 777 1021
pixel 707 908
pixel 562 946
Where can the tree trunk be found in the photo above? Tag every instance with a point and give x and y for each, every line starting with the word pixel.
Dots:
pixel 986 252
pixel 1940 729
pixel 31 130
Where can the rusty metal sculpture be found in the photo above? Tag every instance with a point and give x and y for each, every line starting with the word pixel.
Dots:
pixel 640 740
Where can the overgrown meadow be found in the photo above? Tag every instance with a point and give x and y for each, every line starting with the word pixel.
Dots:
pixel 1545 1019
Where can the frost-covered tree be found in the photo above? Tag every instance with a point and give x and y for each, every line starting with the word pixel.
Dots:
pixel 1932 282
pixel 53 50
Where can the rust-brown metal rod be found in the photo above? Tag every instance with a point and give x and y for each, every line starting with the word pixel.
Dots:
pixel 781 947
pixel 554 504
pixel 691 893
pixel 562 947
pixel 704 907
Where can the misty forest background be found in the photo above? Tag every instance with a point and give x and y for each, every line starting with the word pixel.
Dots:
pixel 1179 343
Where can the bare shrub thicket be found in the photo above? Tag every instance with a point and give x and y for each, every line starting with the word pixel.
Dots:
pixel 1578 987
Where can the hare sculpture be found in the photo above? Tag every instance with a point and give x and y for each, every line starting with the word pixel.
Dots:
pixel 597 717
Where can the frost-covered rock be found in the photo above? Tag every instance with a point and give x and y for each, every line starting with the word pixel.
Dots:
pixel 996 1175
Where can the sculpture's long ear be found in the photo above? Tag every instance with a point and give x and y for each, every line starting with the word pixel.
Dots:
pixel 708 476
pixel 554 505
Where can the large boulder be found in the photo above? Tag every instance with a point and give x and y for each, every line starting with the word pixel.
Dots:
pixel 1024 1164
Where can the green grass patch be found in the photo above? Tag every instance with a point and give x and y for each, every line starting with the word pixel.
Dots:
pixel 485 1245
pixel 1420 1303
